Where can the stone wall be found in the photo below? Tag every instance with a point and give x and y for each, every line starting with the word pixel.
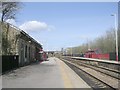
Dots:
pixel 18 42
pixel 10 36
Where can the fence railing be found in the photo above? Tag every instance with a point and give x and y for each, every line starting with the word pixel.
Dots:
pixel 114 65
pixel 9 62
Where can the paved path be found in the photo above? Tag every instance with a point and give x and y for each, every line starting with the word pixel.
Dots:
pixel 0 82
pixel 48 74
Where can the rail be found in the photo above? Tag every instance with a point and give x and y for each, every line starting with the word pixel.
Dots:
pixel 98 60
pixel 105 72
pixel 106 64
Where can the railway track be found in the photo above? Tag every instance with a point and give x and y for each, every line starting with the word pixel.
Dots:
pixel 95 77
pixel 112 73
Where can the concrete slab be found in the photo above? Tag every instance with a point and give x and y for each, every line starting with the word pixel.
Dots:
pixel 0 82
pixel 49 74
pixel 70 78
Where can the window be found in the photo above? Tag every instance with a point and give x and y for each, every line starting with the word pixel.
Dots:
pixel 26 51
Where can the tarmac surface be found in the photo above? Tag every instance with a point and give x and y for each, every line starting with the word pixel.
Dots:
pixel 48 74
pixel 0 82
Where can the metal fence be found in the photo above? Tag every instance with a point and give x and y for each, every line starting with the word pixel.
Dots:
pixel 9 62
pixel 113 56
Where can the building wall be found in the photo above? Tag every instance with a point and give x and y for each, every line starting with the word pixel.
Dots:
pixel 26 52
pixel 11 35
pixel 20 44
pixel 14 37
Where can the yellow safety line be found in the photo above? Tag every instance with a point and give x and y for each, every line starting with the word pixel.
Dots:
pixel 65 77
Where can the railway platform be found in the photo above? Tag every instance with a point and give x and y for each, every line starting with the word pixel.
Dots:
pixel 53 73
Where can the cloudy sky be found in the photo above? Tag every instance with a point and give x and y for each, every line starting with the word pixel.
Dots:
pixel 61 25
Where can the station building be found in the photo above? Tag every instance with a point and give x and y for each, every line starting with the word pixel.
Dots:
pixel 17 42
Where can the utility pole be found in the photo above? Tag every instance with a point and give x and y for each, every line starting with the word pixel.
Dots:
pixel 116 35
pixel 71 51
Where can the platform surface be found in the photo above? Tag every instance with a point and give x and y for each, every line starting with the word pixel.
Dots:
pixel 48 74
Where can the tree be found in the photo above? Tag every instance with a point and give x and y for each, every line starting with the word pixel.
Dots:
pixel 106 43
pixel 9 10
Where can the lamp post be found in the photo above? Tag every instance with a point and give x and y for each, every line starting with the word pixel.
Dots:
pixel 116 36
pixel 71 51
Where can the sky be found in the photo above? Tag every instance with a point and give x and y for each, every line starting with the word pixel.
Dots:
pixel 58 25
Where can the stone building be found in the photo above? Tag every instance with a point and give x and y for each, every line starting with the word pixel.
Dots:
pixel 18 42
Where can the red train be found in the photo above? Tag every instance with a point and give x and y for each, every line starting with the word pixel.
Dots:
pixel 43 55
pixel 96 54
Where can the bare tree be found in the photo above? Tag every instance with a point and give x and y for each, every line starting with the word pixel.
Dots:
pixel 106 43
pixel 9 10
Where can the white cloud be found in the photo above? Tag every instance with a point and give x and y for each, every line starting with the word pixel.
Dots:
pixel 35 26
pixel 11 21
